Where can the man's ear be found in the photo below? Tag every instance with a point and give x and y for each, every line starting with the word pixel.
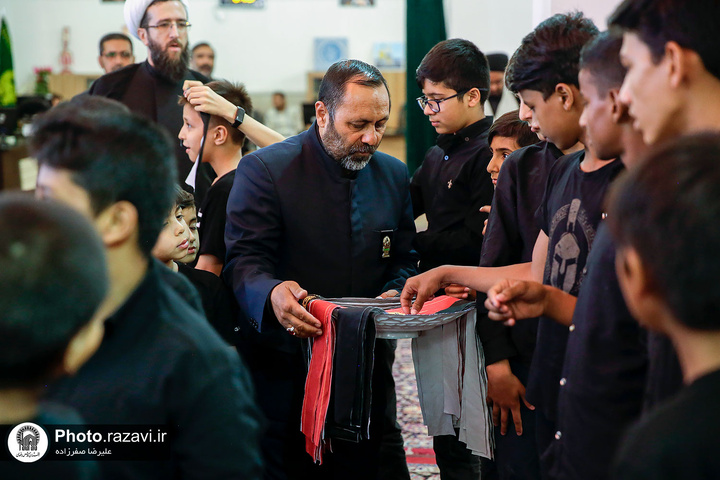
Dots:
pixel 143 34
pixel 683 63
pixel 117 223
pixel 322 116
pixel 567 95
pixel 219 135
pixel 100 63
pixel 473 97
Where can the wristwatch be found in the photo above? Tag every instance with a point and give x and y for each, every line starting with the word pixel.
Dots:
pixel 239 117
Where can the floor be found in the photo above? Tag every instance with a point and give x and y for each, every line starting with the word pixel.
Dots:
pixel 418 446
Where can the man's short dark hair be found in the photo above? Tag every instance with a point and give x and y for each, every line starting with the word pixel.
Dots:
pixel 667 210
pixel 457 63
pixel 332 87
pixel 236 94
pixel 112 154
pixel 601 58
pixel 54 277
pixel 692 25
pixel 200 45
pixel 550 54
pixel 509 125
pixel 114 36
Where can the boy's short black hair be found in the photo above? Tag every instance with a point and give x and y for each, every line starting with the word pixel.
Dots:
pixel 601 58
pixel 54 277
pixel 692 25
pixel 550 54
pixel 667 210
pixel 509 125
pixel 457 63
pixel 112 154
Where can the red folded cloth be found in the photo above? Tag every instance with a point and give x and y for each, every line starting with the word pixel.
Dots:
pixel 433 306
pixel 319 381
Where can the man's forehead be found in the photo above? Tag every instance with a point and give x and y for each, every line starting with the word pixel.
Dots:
pixel 356 93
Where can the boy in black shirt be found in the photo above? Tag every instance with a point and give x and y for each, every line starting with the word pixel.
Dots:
pixel 604 364
pixel 669 57
pixel 663 217
pixel 451 184
pixel 551 102
pixel 54 279
pixel 159 361
pixel 221 147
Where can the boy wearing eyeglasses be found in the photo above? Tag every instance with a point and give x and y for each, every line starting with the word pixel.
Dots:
pixel 451 184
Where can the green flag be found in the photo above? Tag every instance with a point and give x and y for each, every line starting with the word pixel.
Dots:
pixel 425 28
pixel 7 77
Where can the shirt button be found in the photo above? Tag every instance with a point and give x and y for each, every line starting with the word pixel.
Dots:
pixel 558 435
pixel 446 157
pixel 563 381
pixel 585 271
pixel 572 328
pixel 467 139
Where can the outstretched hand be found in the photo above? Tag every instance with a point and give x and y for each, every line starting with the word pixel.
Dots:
pixel 423 288
pixel 512 300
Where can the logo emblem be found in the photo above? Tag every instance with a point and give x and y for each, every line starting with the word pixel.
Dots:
pixel 449 184
pixel 27 442
pixel 386 247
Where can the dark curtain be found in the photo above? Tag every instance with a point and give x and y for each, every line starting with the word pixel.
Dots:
pixel 425 28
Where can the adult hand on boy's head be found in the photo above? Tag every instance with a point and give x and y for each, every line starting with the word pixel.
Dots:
pixel 204 99
pixel 512 300
pixel 505 392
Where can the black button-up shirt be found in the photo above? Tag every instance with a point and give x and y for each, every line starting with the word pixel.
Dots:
pixel 161 363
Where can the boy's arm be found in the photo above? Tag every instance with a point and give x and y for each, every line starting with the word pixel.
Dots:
pixel 423 286
pixel 512 300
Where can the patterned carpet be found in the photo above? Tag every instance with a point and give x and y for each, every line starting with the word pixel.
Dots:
pixel 418 446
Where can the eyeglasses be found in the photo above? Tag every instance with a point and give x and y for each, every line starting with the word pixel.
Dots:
pixel 435 104
pixel 116 54
pixel 164 27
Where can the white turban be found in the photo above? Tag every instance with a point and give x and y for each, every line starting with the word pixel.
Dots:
pixel 135 10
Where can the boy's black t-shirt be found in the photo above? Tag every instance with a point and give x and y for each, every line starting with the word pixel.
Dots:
pixel 664 376
pixel 212 216
pixel 604 372
pixel 569 215
pixel 450 187
pixel 510 238
pixel 678 440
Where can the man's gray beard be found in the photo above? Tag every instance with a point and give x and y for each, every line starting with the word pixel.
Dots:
pixel 335 146
pixel 174 70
